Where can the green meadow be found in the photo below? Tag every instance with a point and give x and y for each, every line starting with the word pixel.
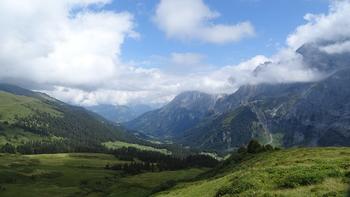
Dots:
pixel 78 174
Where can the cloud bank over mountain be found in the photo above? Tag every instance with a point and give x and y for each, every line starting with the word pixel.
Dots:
pixel 329 32
pixel 72 50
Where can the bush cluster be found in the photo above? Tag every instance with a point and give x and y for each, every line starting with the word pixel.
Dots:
pixel 303 176
pixel 237 187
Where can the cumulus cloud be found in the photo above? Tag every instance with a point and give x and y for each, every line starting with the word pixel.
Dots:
pixel 42 41
pixel 70 49
pixel 196 22
pixel 330 27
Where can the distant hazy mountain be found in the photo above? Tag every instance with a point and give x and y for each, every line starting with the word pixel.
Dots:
pixel 295 114
pixel 182 113
pixel 120 113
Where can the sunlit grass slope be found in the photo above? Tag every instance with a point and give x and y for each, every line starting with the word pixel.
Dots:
pixel 22 106
pixel 120 144
pixel 294 172
pixel 15 106
pixel 17 136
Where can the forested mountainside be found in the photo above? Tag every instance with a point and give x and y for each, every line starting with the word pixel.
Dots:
pixel 31 119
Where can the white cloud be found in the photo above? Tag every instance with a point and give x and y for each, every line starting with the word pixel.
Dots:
pixel 182 63
pixel 106 96
pixel 192 19
pixel 337 48
pixel 43 42
pixel 330 32
pixel 286 66
pixel 231 77
pixel 186 58
pixel 333 26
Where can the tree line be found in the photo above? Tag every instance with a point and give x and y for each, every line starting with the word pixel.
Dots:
pixel 51 146
pixel 156 161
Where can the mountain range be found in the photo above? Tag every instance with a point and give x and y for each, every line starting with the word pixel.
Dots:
pixel 283 114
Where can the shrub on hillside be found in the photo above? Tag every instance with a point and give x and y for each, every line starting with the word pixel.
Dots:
pixel 236 188
pixel 347 174
pixel 254 147
pixel 303 176
pixel 8 148
pixel 242 149
pixel 268 147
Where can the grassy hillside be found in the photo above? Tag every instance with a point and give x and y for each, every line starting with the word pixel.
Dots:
pixel 77 174
pixel 17 136
pixel 12 106
pixel 294 172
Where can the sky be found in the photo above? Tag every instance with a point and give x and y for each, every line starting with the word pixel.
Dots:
pixel 272 20
pixel 121 52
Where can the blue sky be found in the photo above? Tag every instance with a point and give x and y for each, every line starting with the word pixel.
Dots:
pixel 121 52
pixel 273 20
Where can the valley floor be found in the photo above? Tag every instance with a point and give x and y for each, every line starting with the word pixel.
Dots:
pixel 78 174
